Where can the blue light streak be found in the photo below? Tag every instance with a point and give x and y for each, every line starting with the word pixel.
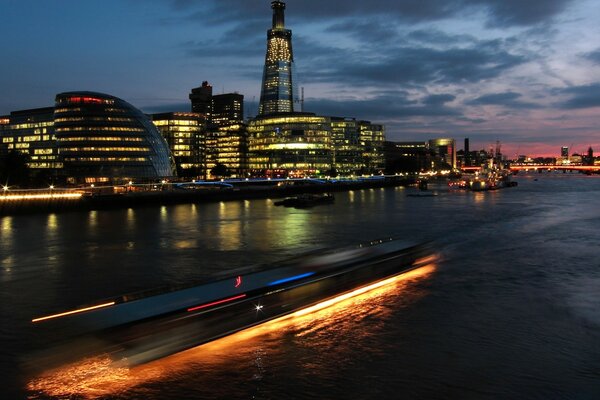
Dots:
pixel 291 278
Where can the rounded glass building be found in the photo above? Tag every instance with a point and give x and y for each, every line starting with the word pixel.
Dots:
pixel 102 138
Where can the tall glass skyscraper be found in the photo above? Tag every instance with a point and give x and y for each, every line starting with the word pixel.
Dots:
pixel 277 90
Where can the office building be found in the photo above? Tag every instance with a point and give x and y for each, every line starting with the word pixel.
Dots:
pixel 185 135
pixel 445 151
pixel 227 109
pixel 295 144
pixel 201 98
pixel 228 145
pixel 31 132
pixel 102 138
pixel 277 94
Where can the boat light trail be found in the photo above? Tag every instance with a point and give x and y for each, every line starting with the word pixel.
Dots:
pixel 290 279
pixel 214 303
pixel 9 197
pixel 80 310
pixel 426 269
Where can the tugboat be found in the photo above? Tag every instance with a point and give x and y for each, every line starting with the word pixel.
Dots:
pixel 306 200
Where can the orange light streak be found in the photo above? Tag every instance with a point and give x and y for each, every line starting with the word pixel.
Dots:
pixel 335 300
pixel 9 197
pixel 80 310
pixel 100 376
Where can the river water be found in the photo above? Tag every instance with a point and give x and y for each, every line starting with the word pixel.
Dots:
pixel 511 308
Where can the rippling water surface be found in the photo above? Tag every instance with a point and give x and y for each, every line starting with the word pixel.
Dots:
pixel 510 310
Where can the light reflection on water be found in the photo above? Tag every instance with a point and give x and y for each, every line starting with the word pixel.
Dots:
pixel 510 312
pixel 322 325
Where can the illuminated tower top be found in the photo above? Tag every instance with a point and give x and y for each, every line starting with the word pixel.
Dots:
pixel 277 90
pixel 278 15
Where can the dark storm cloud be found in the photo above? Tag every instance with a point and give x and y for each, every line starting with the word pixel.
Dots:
pixel 586 96
pixel 413 65
pixel 383 107
pixel 506 99
pixel 498 12
pixel 370 31
pixel 593 56
pixel 437 37
pixel 521 12
pixel 438 99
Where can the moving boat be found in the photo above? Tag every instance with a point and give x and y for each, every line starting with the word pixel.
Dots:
pixel 306 200
pixel 141 327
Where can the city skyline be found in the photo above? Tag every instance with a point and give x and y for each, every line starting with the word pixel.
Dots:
pixel 525 74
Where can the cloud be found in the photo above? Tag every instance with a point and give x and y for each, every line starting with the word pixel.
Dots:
pixel 417 65
pixel 506 99
pixel 499 13
pixel 593 56
pixel 438 99
pixel 383 107
pixel 586 96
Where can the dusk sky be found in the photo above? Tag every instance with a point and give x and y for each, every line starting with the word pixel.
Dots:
pixel 524 72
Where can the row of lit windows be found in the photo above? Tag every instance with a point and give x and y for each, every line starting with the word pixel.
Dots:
pixel 62 110
pixel 289 120
pixel 31 125
pixel 78 119
pixel 105 159
pixel 105 149
pixel 42 151
pixel 178 122
pixel 54 157
pixel 101 139
pixel 99 128
pixel 45 165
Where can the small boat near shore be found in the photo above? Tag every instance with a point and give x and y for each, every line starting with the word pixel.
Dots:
pixel 306 200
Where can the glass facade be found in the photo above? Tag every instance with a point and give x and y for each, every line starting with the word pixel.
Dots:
pixel 445 150
pixel 277 87
pixel 31 132
pixel 296 144
pixel 228 145
pixel 372 139
pixel 184 133
pixel 104 139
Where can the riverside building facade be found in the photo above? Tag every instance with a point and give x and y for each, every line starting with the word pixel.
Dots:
pixel 185 134
pixel 303 144
pixel 31 132
pixel 88 138
pixel 102 138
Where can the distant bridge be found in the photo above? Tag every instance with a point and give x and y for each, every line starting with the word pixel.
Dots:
pixel 545 167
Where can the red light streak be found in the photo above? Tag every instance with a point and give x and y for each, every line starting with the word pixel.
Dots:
pixel 214 303
pixel 238 281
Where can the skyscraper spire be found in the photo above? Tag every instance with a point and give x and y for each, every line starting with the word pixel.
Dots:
pixel 277 90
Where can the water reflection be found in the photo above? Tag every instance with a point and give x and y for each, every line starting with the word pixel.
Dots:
pixel 6 232
pixel 325 322
pixel 51 224
pixel 130 219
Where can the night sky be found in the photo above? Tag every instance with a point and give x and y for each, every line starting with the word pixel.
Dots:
pixel 525 72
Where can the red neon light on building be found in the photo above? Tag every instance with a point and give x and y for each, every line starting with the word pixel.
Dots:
pixel 86 100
